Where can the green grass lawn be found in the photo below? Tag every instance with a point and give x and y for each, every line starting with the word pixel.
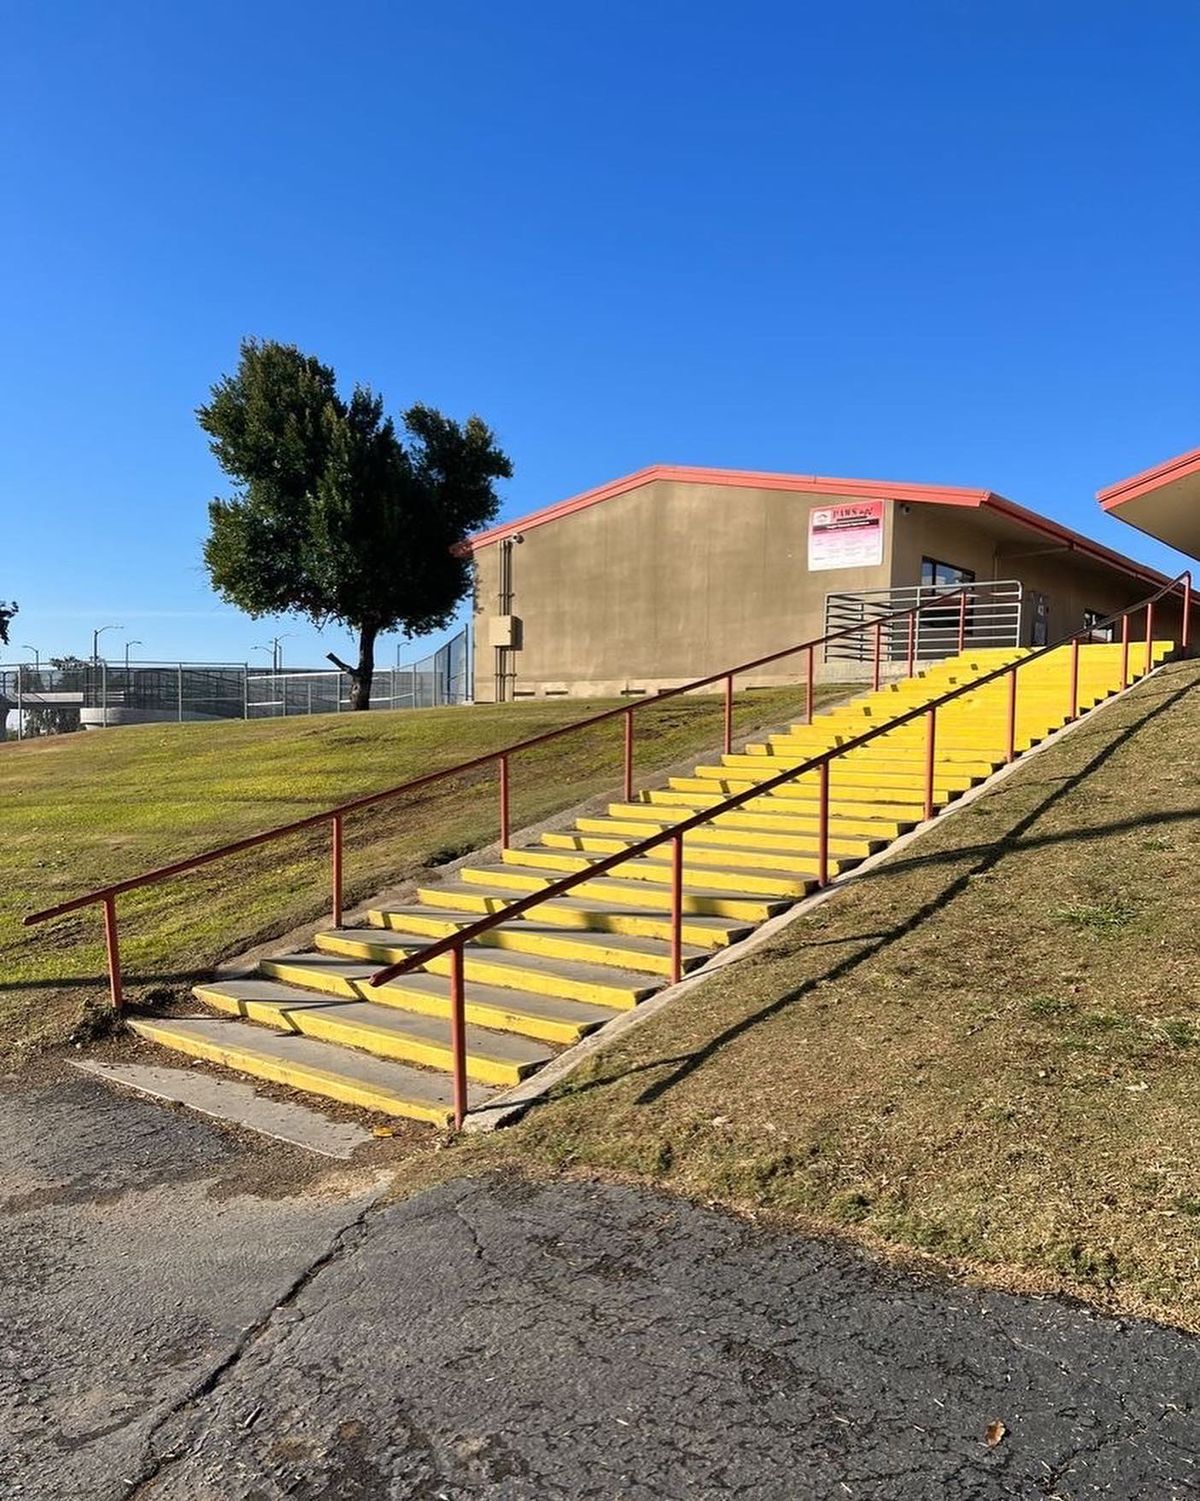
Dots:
pixel 82 810
pixel 988 1050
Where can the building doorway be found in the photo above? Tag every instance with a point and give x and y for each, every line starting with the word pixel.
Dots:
pixel 1039 614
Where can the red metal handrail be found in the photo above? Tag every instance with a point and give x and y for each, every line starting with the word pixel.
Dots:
pixel 455 943
pixel 106 896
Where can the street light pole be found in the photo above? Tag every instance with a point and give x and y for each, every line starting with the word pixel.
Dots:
pixel 276 650
pixel 96 634
pixel 37 661
pixel 128 644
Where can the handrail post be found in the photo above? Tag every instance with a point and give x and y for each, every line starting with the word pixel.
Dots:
pixel 336 860
pixel 503 802
pixel 1012 715
pixel 878 654
pixel 1149 636
pixel 823 829
pixel 628 755
pixel 458 1034
pixel 1074 706
pixel 930 739
pixel 962 620
pixel 114 953
pixel 808 692
pixel 676 909
pixel 1187 611
pixel 1125 650
pixel 729 714
pixel 912 643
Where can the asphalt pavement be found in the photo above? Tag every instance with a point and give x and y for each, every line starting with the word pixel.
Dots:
pixel 182 1320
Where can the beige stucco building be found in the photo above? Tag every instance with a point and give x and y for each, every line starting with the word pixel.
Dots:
pixel 670 574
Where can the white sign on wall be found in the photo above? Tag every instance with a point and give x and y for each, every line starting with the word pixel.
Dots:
pixel 846 536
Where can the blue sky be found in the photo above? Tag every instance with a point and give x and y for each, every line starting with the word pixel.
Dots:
pixel 941 242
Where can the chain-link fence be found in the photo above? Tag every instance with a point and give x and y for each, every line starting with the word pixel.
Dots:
pixel 440 678
pixel 40 700
pixel 98 695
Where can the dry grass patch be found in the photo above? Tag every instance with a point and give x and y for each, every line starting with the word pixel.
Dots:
pixel 987 1050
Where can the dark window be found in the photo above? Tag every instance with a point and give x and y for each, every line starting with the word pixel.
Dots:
pixel 940 627
pixel 933 572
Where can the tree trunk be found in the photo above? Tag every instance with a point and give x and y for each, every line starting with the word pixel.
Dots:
pixel 362 676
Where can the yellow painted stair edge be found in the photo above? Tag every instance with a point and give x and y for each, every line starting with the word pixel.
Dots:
pixel 326 1026
pixel 301 1076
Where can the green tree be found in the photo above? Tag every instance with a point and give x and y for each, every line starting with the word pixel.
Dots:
pixel 6 614
pixel 336 516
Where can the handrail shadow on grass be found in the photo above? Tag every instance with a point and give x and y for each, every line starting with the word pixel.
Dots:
pixel 98 982
pixel 988 856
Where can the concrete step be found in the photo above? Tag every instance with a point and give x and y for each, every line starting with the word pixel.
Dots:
pixel 1048 692
pixel 701 853
pixel 337 971
pixel 878 760
pixel 552 1019
pixel 501 1059
pixel 529 935
pixel 706 794
pixel 753 817
pixel 844 777
pixel 882 802
pixel 910 789
pixel 549 949
pixel 973 759
pixel 863 771
pixel 772 881
pixel 967 740
pixel 699 896
pixel 303 1063
pixel 723 836
pixel 592 915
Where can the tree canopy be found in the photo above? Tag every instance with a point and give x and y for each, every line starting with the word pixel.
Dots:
pixel 6 614
pixel 335 515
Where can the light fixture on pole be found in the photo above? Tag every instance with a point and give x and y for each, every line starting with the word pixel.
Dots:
pixel 96 634
pixel 128 644
pixel 276 650
pixel 37 661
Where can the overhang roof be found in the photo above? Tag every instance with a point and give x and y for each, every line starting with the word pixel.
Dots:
pixel 818 484
pixel 1163 502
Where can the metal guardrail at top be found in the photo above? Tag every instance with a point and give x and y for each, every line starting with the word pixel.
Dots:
pixel 455 943
pixel 106 896
pixel 984 613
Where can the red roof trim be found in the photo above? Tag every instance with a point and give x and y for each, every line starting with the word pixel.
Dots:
pixel 813 484
pixel 1163 474
pixel 816 484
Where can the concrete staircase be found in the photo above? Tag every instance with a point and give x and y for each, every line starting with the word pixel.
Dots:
pixel 539 983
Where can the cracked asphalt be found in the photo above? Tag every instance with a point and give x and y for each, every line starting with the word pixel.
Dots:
pixel 169 1329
